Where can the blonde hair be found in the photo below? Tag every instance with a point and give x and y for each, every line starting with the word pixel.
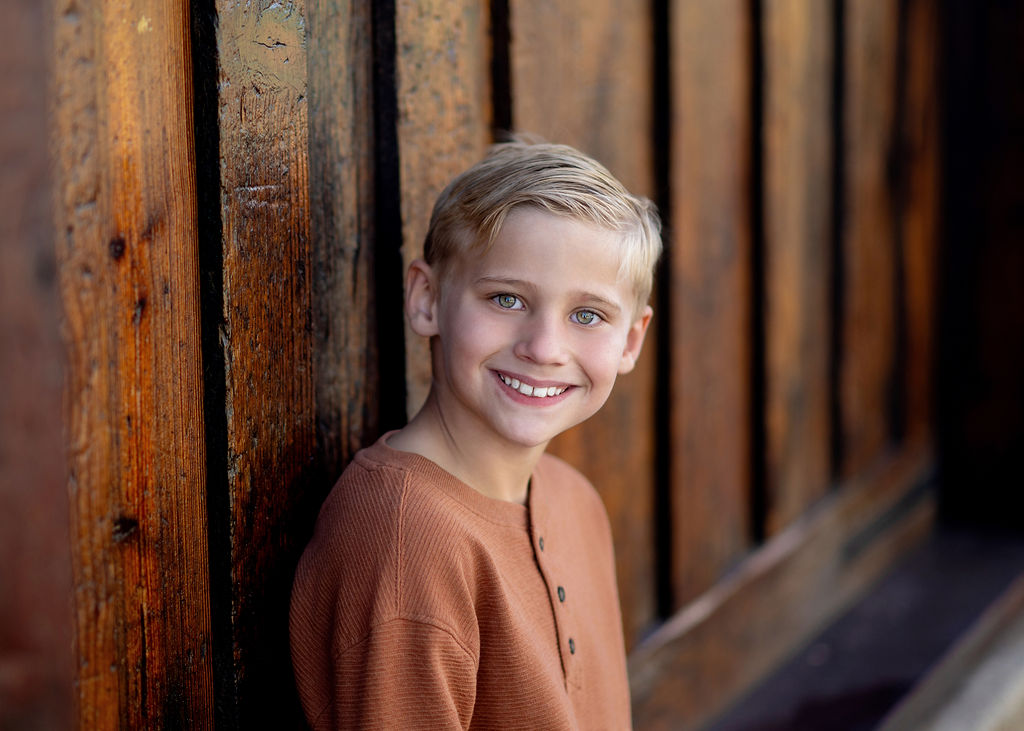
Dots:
pixel 469 213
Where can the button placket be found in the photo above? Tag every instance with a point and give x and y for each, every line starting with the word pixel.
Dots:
pixel 564 616
pixel 562 610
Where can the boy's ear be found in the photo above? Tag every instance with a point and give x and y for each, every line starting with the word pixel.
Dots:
pixel 421 295
pixel 635 340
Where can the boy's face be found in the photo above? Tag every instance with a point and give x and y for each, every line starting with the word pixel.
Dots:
pixel 542 312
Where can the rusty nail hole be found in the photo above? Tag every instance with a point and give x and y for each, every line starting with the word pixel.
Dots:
pixel 140 306
pixel 117 247
pixel 124 527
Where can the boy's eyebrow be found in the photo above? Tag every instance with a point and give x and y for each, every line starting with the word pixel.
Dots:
pixel 611 307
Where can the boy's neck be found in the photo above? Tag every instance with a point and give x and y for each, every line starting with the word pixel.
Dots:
pixel 490 466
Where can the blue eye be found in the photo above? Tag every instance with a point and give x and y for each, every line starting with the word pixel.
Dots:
pixel 585 317
pixel 507 301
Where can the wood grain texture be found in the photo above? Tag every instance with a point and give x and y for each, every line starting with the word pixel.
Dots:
pixel 36 666
pixel 581 75
pixel 268 338
pixel 443 88
pixel 715 649
pixel 868 244
pixel 126 221
pixel 710 291
pixel 600 102
pixel 341 180
pixel 919 219
pixel 267 335
pixel 797 251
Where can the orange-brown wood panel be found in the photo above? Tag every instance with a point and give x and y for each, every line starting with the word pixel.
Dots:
pixel 267 336
pixel 581 75
pixel 710 291
pixel 36 670
pixel 443 88
pixel 299 333
pixel 797 165
pixel 341 179
pixel 919 217
pixel 127 258
pixel 868 244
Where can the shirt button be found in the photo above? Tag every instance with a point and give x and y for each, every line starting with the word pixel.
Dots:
pixel 572 646
pixel 561 594
pixel 541 542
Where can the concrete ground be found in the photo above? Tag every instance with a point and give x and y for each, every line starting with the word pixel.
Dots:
pixel 897 649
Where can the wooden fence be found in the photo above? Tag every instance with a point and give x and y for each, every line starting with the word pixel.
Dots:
pixel 239 187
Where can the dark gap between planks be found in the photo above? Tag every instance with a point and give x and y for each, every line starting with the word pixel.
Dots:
pixel 206 132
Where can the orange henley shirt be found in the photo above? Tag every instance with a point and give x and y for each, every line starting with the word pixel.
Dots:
pixel 422 604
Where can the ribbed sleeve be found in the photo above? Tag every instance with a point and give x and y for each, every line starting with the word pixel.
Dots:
pixel 404 674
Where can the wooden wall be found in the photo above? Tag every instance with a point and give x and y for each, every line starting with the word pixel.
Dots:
pixel 238 190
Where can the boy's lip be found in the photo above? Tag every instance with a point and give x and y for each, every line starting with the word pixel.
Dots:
pixel 512 385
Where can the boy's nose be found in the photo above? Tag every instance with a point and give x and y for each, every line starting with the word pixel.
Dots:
pixel 542 340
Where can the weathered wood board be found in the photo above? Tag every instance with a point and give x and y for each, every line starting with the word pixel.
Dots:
pixel 797 202
pixel 710 295
pixel 868 234
pixel 344 299
pixel 127 257
pixel 266 331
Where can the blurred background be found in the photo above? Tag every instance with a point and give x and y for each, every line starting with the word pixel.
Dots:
pixel 814 476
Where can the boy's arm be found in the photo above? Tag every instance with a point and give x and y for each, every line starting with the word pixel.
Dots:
pixel 406 674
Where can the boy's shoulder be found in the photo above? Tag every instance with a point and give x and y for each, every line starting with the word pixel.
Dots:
pixel 393 511
pixel 398 537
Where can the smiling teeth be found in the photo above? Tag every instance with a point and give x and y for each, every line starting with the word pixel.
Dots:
pixel 528 390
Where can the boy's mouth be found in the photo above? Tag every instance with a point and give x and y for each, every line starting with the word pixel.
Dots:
pixel 527 389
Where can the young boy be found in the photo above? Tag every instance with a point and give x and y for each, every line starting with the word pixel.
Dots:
pixel 459 577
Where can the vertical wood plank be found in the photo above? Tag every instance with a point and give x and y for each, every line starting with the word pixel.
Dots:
pixel 868 244
pixel 581 75
pixel 443 89
pixel 341 179
pixel 36 670
pixel 919 217
pixel 268 336
pixel 710 291
pixel 797 224
pixel 126 217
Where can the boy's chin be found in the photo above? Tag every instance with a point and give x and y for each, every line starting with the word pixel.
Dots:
pixel 528 441
pixel 532 438
pixel 525 438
